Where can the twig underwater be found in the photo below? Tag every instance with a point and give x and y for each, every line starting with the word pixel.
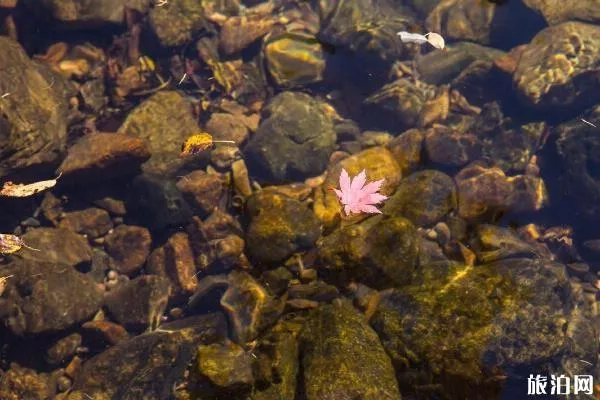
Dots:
pixel 588 122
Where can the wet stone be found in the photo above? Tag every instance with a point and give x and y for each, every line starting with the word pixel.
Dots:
pixel 103 156
pixel 132 368
pixel 47 297
pixel 163 122
pixel 34 127
pixel 223 126
pixel 277 280
pixel 449 147
pixel 316 291
pixel 63 349
pixel 93 222
pixel 279 227
pixel 56 245
pixel 201 190
pixel 342 357
pixel 158 203
pixel 177 24
pixel 113 206
pixel 407 149
pixel 140 303
pixel 82 15
pixel 379 251
pixel 226 368
pixel 129 247
pixel 293 141
pixel 423 197
pixel 105 331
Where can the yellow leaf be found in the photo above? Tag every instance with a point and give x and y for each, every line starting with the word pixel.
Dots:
pixel 198 143
pixel 11 244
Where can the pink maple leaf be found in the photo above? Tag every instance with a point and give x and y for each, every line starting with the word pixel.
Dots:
pixel 356 197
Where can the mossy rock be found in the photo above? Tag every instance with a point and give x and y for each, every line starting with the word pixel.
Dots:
pixel 343 359
pixel 462 331
pixel 279 226
pixel 378 162
pixel 379 251
pixel 424 197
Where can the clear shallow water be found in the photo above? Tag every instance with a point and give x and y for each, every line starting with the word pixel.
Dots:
pixel 168 266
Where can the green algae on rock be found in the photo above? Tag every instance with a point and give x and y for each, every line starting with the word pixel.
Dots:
pixel 379 251
pixel 457 329
pixel 279 226
pixel 342 357
pixel 294 140
pixel 178 23
pixel 423 197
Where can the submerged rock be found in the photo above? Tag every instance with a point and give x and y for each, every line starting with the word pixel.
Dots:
pixel 424 197
pixel 33 112
pixel 163 122
pixel 178 23
pixel 294 140
pixel 139 303
pixel 19 383
pixel 279 226
pixel 558 67
pixel 380 251
pixel 103 156
pixel 93 222
pixel 456 329
pixel 57 245
pixel 45 297
pixel 128 247
pixel 132 368
pixel 342 357
pixel 224 370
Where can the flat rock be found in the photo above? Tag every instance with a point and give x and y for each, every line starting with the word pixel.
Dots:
pixel 93 222
pixel 201 190
pixel 57 245
pixel 103 156
pixel 47 297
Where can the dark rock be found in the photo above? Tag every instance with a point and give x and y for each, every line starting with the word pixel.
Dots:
pixel 140 303
pixel 47 297
pixel 103 156
pixel 132 368
pixel 343 359
pixel 424 197
pixel 93 222
pixel 56 245
pixel 113 206
pixel 63 349
pixel 79 14
pixel 277 280
pixel 33 125
pixel 279 227
pixel 450 147
pixel 316 291
pixel 201 190
pixel 379 251
pixel 158 203
pixel 163 122
pixel 224 126
pixel 294 140
pixel 177 24
pixel 224 370
pixel 129 247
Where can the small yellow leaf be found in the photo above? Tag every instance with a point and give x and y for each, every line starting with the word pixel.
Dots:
pixel 198 143
pixel 3 280
pixel 10 243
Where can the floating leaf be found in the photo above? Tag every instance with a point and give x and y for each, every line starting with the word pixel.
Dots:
pixel 3 280
pixel 11 244
pixel 198 143
pixel 24 190
pixel 357 196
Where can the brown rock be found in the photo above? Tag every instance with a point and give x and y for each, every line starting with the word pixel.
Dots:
pixel 110 332
pixel 93 222
pixel 481 189
pixel 20 383
pixel 103 156
pixel 56 245
pixel 240 31
pixel 241 180
pixel 407 149
pixel 175 260
pixel 113 206
pixel 140 303
pixel 229 250
pixel 129 247
pixel 449 147
pixel 63 349
pixel 227 127
pixel 201 190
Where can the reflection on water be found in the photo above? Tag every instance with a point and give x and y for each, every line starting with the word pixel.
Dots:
pixel 285 200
